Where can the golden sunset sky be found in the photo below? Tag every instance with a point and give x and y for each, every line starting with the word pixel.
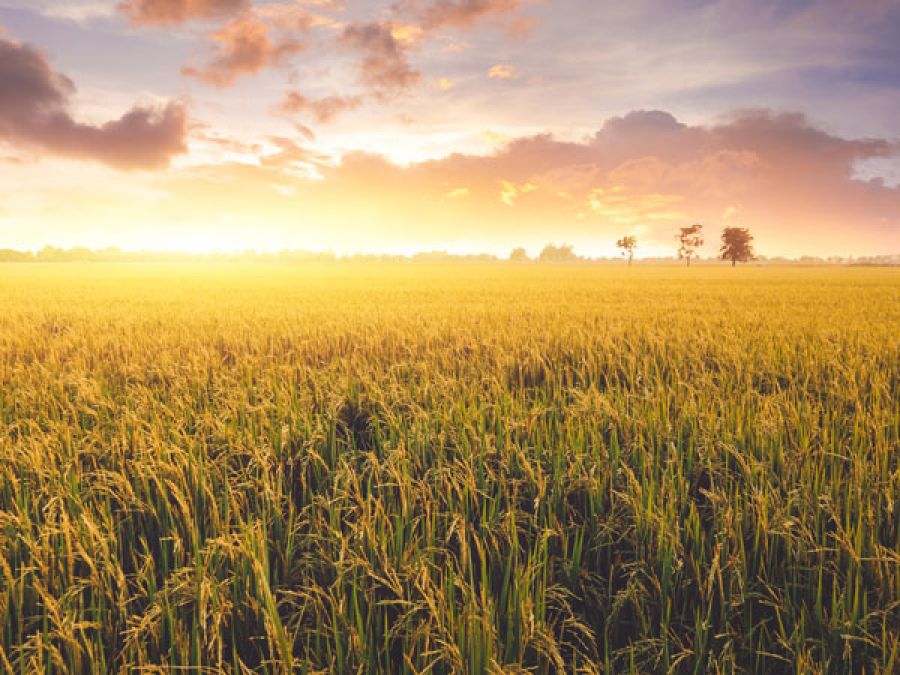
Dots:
pixel 464 125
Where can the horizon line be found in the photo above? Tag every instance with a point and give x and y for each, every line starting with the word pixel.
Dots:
pixel 112 254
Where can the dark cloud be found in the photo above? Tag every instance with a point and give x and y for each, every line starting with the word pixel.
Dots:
pixel 323 110
pixel 243 47
pixel 385 67
pixel 790 141
pixel 149 12
pixel 34 112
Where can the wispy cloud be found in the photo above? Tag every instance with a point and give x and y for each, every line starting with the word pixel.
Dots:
pixel 322 110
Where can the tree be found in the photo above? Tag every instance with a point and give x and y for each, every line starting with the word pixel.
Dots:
pixel 562 253
pixel 691 238
pixel 628 244
pixel 519 255
pixel 737 245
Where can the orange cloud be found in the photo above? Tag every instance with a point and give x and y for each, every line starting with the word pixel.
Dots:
pixel 34 112
pixel 243 47
pixel 158 12
pixel 406 34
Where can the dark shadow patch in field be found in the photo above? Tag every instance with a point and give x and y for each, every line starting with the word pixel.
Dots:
pixel 357 424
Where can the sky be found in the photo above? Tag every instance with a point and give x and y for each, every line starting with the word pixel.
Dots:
pixel 458 125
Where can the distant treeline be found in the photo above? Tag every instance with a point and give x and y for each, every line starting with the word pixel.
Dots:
pixel 550 254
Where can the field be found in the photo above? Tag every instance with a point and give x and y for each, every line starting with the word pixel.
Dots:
pixel 406 468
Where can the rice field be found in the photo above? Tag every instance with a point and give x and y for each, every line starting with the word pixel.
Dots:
pixel 351 468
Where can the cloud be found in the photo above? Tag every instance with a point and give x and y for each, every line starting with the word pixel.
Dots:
pixel 34 113
pixel 297 15
pixel 457 13
pixel 406 34
pixel 323 110
pixel 503 71
pixel 162 12
pixel 385 67
pixel 243 47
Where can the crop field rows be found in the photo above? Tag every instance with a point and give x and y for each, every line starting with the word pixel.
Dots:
pixel 357 468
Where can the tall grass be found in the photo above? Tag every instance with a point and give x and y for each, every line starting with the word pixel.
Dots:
pixel 413 469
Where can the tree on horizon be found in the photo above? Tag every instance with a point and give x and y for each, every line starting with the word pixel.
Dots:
pixel 628 244
pixel 690 240
pixel 563 253
pixel 737 245
pixel 519 254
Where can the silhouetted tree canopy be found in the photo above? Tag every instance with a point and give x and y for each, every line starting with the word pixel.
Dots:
pixel 737 245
